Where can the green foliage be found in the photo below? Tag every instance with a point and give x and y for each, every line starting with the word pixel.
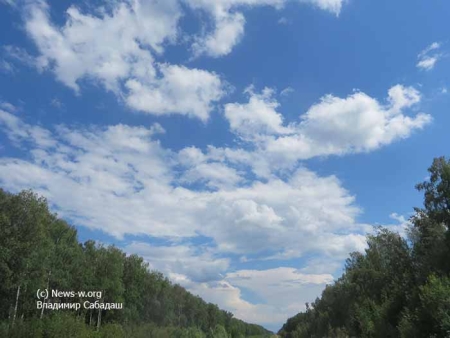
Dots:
pixel 220 332
pixel 66 325
pixel 435 298
pixel 437 191
pixel 40 251
pixel 112 331
pixel 397 288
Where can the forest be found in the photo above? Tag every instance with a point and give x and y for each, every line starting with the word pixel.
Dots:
pixel 400 287
pixel 40 251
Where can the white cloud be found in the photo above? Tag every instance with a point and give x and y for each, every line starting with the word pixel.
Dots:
pixel 429 57
pixel 431 47
pixel 428 62
pixel 402 226
pixel 284 21
pixel 357 123
pixel 122 48
pixel 282 292
pixel 287 91
pixel 197 264
pixel 230 298
pixel 215 175
pixel 229 22
pixel 334 126
pixel 182 90
pixel 116 46
pixel 279 215
pixel 8 107
pixel 256 117
pixel 94 176
pixel 97 174
pixel 20 55
pixel 117 50
pixel 55 102
pixel 228 32
pixel 272 285
pixel 19 132
pixel 333 6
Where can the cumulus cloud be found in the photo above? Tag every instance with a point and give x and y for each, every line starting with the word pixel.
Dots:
pixel 258 116
pixel 195 263
pixel 215 175
pixel 116 49
pixel 428 58
pixel 96 175
pixel 122 46
pixel 182 90
pixel 229 21
pixel 229 30
pixel 333 126
pixel 281 293
pixel 231 298
pixel 264 283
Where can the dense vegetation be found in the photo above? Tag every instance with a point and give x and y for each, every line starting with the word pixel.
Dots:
pixel 398 288
pixel 40 251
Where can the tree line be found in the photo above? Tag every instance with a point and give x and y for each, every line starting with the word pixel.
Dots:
pixel 400 287
pixel 40 251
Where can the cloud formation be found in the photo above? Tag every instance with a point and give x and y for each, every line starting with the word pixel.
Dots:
pixel 93 176
pixel 96 175
pixel 273 287
pixel 333 126
pixel 121 46
pixel 117 49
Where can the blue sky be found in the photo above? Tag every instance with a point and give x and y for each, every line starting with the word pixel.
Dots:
pixel 243 147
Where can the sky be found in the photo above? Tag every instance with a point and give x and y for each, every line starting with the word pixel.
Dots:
pixel 242 147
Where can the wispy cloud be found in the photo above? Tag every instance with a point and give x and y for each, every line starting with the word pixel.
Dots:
pixel 429 57
pixel 287 91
